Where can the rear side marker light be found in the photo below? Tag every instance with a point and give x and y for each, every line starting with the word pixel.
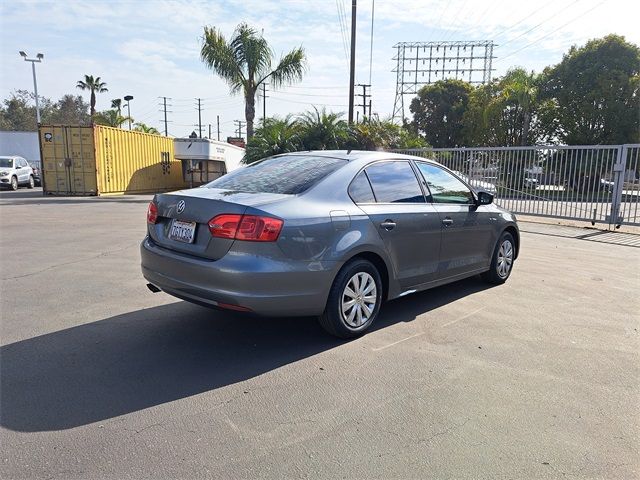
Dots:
pixel 229 306
pixel 152 213
pixel 252 228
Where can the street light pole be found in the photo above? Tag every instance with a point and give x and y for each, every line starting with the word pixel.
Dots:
pixel 33 61
pixel 128 98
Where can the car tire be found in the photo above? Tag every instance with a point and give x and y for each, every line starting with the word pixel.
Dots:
pixel 32 183
pixel 501 261
pixel 346 315
pixel 14 183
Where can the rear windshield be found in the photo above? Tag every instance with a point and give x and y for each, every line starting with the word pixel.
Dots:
pixel 289 174
pixel 6 163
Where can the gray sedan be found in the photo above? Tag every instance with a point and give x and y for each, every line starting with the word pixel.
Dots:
pixel 331 234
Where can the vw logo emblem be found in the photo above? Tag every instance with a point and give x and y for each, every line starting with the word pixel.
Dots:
pixel 181 206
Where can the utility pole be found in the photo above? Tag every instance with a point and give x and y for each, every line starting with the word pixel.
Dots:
pixel 209 137
pixel 352 71
pixel 218 119
pixel 364 103
pixel 33 61
pixel 164 109
pixel 199 117
pixel 264 100
pixel 240 124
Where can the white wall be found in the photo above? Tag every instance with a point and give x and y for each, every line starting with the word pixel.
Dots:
pixel 24 144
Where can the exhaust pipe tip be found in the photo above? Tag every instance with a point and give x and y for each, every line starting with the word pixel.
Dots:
pixel 153 288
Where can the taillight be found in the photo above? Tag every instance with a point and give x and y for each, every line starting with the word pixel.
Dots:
pixel 253 228
pixel 152 213
pixel 224 226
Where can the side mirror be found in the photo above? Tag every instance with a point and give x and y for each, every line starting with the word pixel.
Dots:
pixel 484 198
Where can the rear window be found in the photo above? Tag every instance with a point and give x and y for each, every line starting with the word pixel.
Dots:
pixel 289 174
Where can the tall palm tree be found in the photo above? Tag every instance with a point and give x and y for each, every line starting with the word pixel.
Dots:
pixel 95 86
pixel 116 103
pixel 521 87
pixel 245 62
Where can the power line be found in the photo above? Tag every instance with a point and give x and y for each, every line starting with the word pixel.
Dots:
pixel 530 14
pixel 440 18
pixel 342 29
pixel 308 103
pixel 539 24
pixel 455 21
pixel 552 32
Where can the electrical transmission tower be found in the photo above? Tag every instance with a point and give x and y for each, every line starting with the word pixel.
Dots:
pixel 423 63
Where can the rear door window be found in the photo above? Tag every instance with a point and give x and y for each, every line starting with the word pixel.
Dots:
pixel 288 174
pixel 395 182
pixel 444 187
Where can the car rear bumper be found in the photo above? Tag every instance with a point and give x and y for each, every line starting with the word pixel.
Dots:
pixel 263 285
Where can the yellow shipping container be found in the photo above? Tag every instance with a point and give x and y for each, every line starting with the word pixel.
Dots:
pixel 99 160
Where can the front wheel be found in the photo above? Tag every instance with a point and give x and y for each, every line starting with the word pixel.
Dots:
pixel 32 183
pixel 354 300
pixel 14 183
pixel 502 260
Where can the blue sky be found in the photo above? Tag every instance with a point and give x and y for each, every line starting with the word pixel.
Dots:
pixel 150 48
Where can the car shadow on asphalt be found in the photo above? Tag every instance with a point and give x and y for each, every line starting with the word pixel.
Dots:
pixel 130 362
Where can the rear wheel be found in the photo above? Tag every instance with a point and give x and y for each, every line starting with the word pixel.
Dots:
pixel 354 300
pixel 32 183
pixel 502 260
pixel 14 183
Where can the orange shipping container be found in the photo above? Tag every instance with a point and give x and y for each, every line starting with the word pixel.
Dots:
pixel 100 160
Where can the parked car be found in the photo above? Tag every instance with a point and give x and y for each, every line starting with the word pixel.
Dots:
pixel 331 234
pixel 15 171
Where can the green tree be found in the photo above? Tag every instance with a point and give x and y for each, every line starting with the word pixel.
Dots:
pixel 245 62
pixel 94 85
pixel 438 110
pixel 144 128
pixel 595 93
pixel 272 137
pixel 70 110
pixel 110 118
pixel 383 135
pixel 322 130
pixel 18 112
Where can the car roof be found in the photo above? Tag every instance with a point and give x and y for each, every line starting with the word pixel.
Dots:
pixel 9 157
pixel 364 155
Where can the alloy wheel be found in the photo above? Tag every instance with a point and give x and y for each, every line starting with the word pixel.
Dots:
pixel 505 259
pixel 359 300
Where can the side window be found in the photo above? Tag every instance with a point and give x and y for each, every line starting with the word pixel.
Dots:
pixel 445 188
pixel 395 182
pixel 360 189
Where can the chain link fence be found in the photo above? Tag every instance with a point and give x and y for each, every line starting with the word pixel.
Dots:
pixel 595 183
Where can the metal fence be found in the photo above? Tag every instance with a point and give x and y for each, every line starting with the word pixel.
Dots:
pixel 596 183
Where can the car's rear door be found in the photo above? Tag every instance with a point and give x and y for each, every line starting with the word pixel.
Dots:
pixel 467 229
pixel 407 224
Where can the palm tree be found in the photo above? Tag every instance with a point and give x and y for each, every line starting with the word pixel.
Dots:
pixel 244 62
pixel 144 128
pixel 95 86
pixel 521 87
pixel 111 118
pixel 323 131
pixel 117 104
pixel 272 137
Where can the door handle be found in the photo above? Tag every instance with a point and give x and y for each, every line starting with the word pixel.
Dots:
pixel 447 222
pixel 388 225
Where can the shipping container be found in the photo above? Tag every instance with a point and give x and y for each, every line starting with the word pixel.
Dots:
pixel 100 160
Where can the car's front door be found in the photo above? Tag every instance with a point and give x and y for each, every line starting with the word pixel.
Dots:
pixel 407 224
pixel 468 233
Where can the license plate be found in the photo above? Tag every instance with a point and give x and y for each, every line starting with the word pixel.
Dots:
pixel 182 231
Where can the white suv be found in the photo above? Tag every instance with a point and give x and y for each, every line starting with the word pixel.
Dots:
pixel 15 171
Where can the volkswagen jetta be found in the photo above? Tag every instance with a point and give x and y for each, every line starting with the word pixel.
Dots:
pixel 331 234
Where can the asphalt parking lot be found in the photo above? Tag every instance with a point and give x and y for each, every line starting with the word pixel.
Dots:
pixel 538 378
